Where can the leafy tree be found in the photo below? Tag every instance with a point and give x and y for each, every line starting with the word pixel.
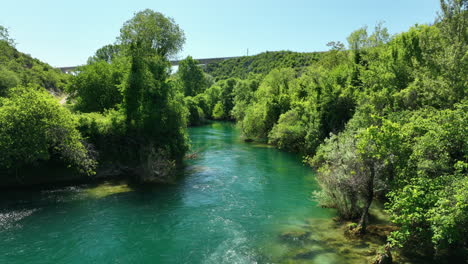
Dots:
pixel 97 86
pixel 212 95
pixel 154 108
pixel 192 77
pixel 106 53
pixel 244 93
pixel 380 36
pixel 271 100
pixel 218 111
pixel 47 132
pixel 8 79
pixel 227 96
pixel 289 132
pixel 5 36
pixel 196 114
pixel 432 180
pixel 151 31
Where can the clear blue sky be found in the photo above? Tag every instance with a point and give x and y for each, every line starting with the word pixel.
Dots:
pixel 66 33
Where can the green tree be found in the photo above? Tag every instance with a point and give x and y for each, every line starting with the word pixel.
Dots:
pixel 8 79
pixel 192 77
pixel 196 114
pixel 97 86
pixel 428 199
pixel 107 53
pixel 154 107
pixel 244 93
pixel 271 100
pixel 47 132
pixel 151 31
pixel 5 36
pixel 289 132
pixel 227 96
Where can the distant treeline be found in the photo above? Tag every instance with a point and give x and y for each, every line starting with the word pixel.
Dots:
pixel 262 63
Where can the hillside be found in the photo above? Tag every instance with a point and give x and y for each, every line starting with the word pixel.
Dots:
pixel 17 68
pixel 262 63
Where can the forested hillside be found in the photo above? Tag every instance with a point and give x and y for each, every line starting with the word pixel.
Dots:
pixel 17 68
pixel 262 63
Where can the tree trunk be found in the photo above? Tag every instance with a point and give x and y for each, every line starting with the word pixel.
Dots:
pixel 369 197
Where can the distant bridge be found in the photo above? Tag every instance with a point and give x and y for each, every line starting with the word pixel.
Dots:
pixel 173 63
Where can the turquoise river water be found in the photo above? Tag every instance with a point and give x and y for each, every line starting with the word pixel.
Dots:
pixel 236 203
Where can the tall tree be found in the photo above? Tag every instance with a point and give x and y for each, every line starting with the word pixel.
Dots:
pixel 155 113
pixel 153 32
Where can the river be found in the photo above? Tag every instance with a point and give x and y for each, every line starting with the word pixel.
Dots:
pixel 237 202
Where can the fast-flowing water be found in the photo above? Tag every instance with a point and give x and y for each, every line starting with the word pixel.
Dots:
pixel 236 203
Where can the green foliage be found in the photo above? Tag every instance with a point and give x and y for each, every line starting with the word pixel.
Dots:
pixel 16 66
pixel 5 36
pixel 196 114
pixel 154 108
pixel 262 64
pixel 218 111
pixel 106 53
pixel 431 180
pixel 8 79
pixel 227 96
pixel 289 132
pixel 212 96
pixel 409 127
pixel 152 32
pixel 191 76
pixel 320 103
pixel 244 94
pixel 97 86
pixel 35 128
pixel 341 175
pixel 271 100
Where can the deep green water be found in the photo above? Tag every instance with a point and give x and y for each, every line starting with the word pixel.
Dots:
pixel 230 207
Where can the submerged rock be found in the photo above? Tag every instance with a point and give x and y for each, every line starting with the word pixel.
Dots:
pixel 305 254
pixel 291 236
pixel 107 189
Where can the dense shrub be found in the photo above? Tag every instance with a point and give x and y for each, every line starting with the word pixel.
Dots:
pixel 35 128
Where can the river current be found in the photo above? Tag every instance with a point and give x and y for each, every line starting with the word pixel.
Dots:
pixel 235 203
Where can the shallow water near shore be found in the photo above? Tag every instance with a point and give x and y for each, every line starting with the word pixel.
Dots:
pixel 236 203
